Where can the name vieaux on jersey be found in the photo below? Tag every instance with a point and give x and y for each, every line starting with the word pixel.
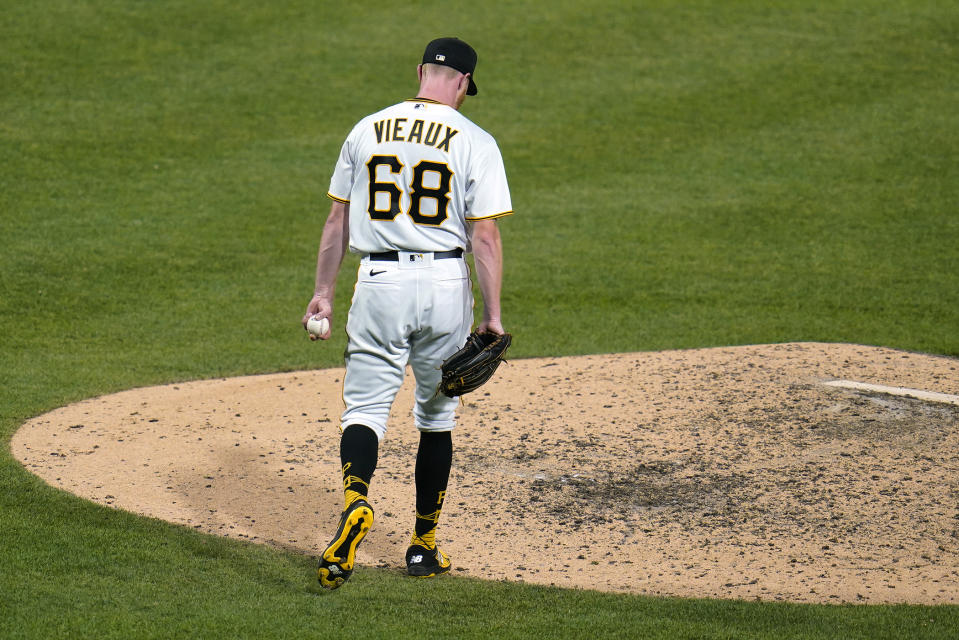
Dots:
pixel 395 130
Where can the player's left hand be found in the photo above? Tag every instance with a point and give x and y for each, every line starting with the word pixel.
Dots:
pixel 491 326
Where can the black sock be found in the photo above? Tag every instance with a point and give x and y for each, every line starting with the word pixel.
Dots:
pixel 434 459
pixel 359 448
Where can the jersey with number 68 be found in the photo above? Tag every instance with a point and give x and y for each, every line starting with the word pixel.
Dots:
pixel 415 175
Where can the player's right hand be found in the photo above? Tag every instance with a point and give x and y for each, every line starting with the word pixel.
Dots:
pixel 318 306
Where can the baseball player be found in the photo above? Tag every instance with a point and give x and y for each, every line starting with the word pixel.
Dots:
pixel 416 187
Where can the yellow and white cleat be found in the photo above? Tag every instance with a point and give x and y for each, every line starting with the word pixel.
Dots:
pixel 336 563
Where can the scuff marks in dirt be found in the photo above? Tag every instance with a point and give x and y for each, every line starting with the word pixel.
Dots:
pixel 730 473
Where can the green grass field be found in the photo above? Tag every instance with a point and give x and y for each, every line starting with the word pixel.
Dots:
pixel 684 175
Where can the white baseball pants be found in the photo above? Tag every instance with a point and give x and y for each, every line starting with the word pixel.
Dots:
pixel 418 311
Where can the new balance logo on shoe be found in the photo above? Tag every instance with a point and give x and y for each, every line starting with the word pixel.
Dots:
pixel 424 562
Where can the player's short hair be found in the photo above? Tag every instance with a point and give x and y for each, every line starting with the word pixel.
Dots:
pixel 431 70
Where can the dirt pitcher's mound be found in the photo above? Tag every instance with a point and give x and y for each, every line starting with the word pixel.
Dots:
pixel 730 473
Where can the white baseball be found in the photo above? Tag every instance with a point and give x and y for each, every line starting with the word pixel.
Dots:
pixel 317 326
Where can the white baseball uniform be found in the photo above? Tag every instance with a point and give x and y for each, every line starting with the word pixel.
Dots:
pixel 415 175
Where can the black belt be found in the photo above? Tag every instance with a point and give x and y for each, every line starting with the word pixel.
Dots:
pixel 394 256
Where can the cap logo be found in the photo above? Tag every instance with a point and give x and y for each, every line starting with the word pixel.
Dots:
pixel 440 57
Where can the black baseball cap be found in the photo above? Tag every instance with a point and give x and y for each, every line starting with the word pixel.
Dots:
pixel 453 52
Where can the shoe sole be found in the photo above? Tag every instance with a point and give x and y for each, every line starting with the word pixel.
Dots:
pixel 416 572
pixel 351 532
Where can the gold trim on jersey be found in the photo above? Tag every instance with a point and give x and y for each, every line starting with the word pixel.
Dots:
pixel 490 217
pixel 336 199
pixel 427 100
